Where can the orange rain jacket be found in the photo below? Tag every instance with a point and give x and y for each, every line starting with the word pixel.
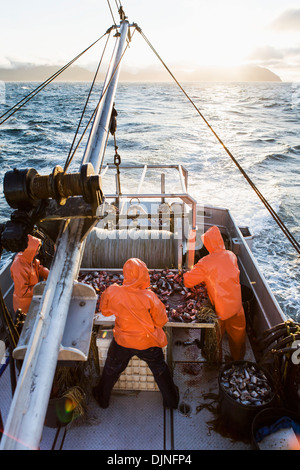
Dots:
pixel 140 315
pixel 25 272
pixel 220 273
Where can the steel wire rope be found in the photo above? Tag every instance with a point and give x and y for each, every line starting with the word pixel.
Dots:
pixel 120 10
pixel 275 216
pixel 68 160
pixel 99 102
pixel 111 12
pixel 40 87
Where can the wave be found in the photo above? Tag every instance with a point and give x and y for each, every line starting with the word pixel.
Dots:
pixel 13 131
pixel 276 157
pixel 288 156
pixel 295 149
pixel 257 123
pixel 269 140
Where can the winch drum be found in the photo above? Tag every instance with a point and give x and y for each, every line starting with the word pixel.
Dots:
pixel 157 248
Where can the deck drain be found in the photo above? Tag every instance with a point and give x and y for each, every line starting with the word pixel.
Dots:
pixel 185 409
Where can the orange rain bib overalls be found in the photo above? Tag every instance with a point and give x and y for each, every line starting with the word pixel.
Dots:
pixel 139 318
pixel 220 273
pixel 25 272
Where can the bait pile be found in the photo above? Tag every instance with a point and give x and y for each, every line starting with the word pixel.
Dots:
pixel 247 385
pixel 182 304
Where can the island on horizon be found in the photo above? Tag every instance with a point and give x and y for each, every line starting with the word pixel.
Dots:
pixel 245 73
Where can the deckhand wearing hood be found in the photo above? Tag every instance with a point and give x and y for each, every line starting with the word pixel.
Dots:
pixel 26 272
pixel 140 315
pixel 220 273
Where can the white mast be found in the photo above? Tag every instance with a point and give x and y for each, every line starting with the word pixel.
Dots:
pixel 26 417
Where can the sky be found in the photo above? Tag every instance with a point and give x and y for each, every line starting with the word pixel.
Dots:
pixel 186 33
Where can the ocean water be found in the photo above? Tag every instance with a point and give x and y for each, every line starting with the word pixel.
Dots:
pixel 258 122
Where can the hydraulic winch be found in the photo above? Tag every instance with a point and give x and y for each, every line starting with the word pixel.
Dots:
pixel 23 189
pixel 47 201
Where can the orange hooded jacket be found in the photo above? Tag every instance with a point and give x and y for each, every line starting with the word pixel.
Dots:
pixel 25 272
pixel 220 273
pixel 140 315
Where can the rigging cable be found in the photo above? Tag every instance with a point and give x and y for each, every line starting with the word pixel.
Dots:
pixel 111 12
pixel 40 87
pixel 96 108
pixel 275 216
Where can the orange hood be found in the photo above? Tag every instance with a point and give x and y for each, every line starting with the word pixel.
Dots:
pixel 136 274
pixel 212 240
pixel 32 249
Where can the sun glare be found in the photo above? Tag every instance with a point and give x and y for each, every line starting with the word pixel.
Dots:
pixel 224 44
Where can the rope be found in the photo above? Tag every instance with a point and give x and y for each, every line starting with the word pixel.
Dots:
pixel 99 102
pixel 111 12
pixel 40 87
pixel 118 6
pixel 27 98
pixel 212 349
pixel 277 219
pixel 69 159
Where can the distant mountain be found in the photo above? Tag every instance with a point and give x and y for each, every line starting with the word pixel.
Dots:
pixel 33 73
pixel 39 73
pixel 247 73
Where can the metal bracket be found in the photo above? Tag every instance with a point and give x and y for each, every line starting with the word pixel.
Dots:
pixel 75 208
pixel 77 333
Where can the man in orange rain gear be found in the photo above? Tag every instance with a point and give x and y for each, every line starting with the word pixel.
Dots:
pixel 26 271
pixel 140 316
pixel 220 273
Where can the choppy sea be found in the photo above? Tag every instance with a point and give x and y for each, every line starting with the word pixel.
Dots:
pixel 258 122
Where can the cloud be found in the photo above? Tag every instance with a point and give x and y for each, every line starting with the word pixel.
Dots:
pixel 289 21
pixel 292 52
pixel 283 61
pixel 269 53
pixel 266 54
pixel 6 63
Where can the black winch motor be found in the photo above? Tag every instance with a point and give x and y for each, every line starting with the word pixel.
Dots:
pixel 23 189
pixel 28 193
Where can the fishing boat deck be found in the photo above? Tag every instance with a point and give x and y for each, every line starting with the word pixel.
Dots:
pixel 136 420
